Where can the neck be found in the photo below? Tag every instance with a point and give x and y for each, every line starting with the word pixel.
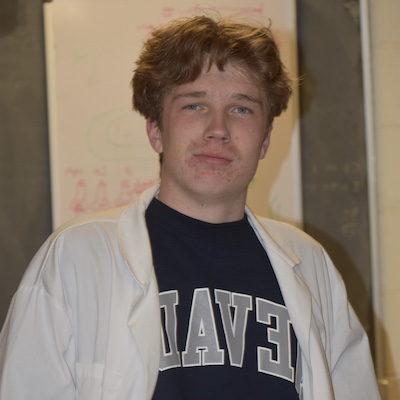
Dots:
pixel 205 207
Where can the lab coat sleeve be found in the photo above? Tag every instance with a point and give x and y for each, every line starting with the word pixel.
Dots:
pixel 352 369
pixel 36 342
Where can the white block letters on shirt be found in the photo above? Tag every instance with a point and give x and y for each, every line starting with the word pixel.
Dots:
pixel 202 345
pixel 280 336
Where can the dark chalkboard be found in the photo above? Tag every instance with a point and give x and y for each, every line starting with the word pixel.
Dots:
pixel 333 144
pixel 25 212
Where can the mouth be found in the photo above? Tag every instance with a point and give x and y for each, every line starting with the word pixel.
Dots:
pixel 213 159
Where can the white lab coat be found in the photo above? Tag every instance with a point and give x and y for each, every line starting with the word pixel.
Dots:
pixel 85 320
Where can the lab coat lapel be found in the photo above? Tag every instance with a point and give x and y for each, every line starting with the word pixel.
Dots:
pixel 295 293
pixel 144 319
pixel 316 382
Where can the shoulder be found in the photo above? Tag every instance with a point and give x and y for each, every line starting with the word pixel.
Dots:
pixel 90 236
pixel 288 235
pixel 106 220
pixel 108 223
pixel 298 248
pixel 76 245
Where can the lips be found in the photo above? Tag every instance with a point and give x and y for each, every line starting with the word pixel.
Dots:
pixel 213 158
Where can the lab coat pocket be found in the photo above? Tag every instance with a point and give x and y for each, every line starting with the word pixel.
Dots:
pixel 93 382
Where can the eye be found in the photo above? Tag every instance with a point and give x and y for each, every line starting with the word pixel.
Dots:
pixel 242 110
pixel 191 107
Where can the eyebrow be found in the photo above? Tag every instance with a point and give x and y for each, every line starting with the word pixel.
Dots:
pixel 236 96
pixel 247 97
pixel 197 94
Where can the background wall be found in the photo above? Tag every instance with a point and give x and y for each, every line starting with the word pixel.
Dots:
pixel 385 30
pixel 333 145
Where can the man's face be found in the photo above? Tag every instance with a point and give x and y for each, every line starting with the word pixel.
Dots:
pixel 214 132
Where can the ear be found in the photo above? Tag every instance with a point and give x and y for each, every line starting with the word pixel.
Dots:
pixel 154 135
pixel 265 143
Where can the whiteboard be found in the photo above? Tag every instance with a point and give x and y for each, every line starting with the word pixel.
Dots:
pixel 99 152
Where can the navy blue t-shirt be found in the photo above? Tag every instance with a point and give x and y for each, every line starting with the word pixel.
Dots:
pixel 226 333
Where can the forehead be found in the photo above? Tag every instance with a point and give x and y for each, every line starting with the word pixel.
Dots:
pixel 233 80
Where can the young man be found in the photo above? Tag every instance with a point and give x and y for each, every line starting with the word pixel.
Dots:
pixel 186 294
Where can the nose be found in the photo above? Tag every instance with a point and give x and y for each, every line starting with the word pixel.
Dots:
pixel 217 128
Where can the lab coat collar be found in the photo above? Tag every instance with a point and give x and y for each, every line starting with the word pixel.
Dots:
pixel 295 292
pixel 134 244
pixel 298 300
pixel 144 317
